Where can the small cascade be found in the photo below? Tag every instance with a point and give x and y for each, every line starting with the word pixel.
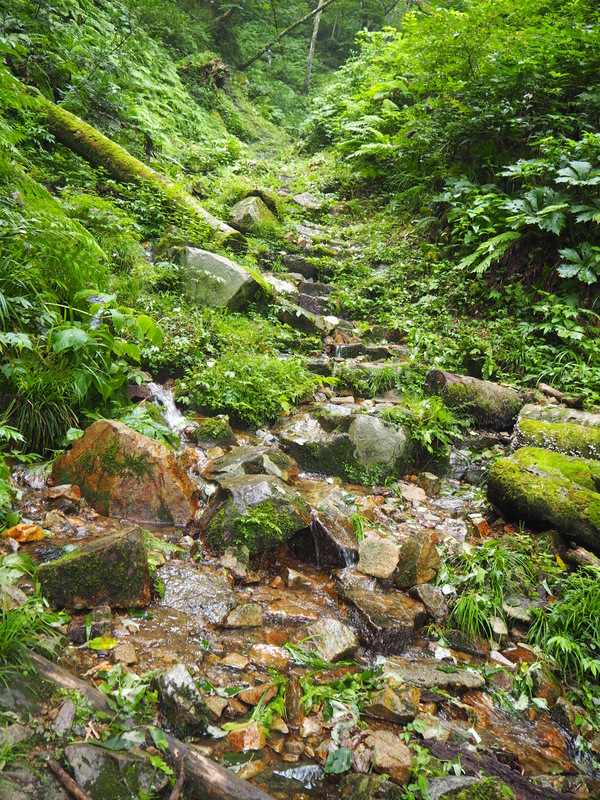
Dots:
pixel 164 399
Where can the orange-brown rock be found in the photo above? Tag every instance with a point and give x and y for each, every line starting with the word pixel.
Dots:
pixel 122 473
pixel 24 532
pixel 250 737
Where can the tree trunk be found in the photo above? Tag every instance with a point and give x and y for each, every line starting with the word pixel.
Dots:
pixel 100 151
pixel 311 52
pixel 285 32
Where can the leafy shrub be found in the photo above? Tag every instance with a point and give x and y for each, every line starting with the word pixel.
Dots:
pixel 253 388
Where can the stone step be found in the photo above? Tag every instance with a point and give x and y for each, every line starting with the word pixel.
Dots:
pixel 316 305
pixel 316 288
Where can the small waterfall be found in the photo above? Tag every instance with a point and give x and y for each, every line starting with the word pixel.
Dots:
pixel 163 398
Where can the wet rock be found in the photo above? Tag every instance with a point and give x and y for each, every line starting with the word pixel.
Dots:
pixel 424 674
pixel 448 786
pixel 299 264
pixel 434 601
pixel 65 718
pixel 256 510
pixel 305 321
pixel 550 490
pixel 310 726
pixel 341 441
pixel 251 737
pixel 24 783
pixel 565 714
pixel 418 560
pixel 384 620
pixel 197 590
pixel 181 702
pixel 321 365
pixel 377 556
pixel 248 615
pixel 331 639
pixel 112 570
pixel 570 439
pixel 213 280
pixel 489 404
pixel 257 460
pixel 335 543
pixel 65 492
pixel 122 473
pixel 256 694
pixel 436 728
pixel 24 532
pixel 520 653
pixel 412 493
pixel 396 703
pixel 216 705
pixel 236 661
pixel 236 561
pixel 213 431
pixel 269 656
pixel 108 775
pixel 125 654
pixel 430 483
pixel 390 756
pixel 295 580
pixel 251 212
pixel 499 629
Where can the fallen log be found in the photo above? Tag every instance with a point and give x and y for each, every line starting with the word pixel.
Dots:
pixel 491 405
pixel 205 779
pixel 571 402
pixel 67 781
pixel 100 151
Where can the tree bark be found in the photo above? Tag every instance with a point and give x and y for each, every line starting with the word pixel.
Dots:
pixel 100 151
pixel 311 52
pixel 285 32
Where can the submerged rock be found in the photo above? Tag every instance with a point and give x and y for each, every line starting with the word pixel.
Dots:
pixel 108 775
pixel 342 441
pixel 181 702
pixel 550 490
pixel 248 615
pixel 112 570
pixel 489 404
pixel 122 473
pixel 258 511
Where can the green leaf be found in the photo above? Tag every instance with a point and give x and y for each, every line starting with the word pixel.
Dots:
pixel 339 761
pixel 70 338
pixel 102 643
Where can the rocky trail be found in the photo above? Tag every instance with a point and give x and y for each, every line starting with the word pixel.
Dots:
pixel 283 586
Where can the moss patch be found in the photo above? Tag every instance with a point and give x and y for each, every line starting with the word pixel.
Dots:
pixel 567 438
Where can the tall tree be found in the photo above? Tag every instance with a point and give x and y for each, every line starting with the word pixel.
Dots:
pixel 311 52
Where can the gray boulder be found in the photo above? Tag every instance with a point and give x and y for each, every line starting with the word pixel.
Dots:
pixel 249 213
pixel 213 280
pixel 198 591
pixel 342 441
pixel 181 702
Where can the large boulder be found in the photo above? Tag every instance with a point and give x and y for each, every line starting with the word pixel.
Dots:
pixel 199 591
pixel 550 490
pixel 258 511
pixel 253 460
pixel 489 404
pixel 108 775
pixel 562 437
pixel 251 212
pixel 342 441
pixel 122 473
pixel 110 571
pixel 213 280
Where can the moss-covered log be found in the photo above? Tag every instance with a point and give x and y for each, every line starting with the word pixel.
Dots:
pixel 547 413
pixel 550 490
pixel 490 404
pixel 573 440
pixel 100 151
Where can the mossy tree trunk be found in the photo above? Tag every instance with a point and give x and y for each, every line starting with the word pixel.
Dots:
pixel 100 151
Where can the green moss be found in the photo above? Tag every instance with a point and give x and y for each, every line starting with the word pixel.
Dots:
pixel 116 462
pixel 488 789
pixel 567 438
pixel 549 490
pixel 214 431
pixel 264 527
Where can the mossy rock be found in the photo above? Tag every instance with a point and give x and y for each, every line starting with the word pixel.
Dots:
pixel 213 431
pixel 122 473
pixel 488 789
pixel 489 404
pixel 110 571
pixel 571 439
pixel 341 441
pixel 258 511
pixel 550 490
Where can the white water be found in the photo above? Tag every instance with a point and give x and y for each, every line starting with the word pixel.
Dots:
pixel 164 399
